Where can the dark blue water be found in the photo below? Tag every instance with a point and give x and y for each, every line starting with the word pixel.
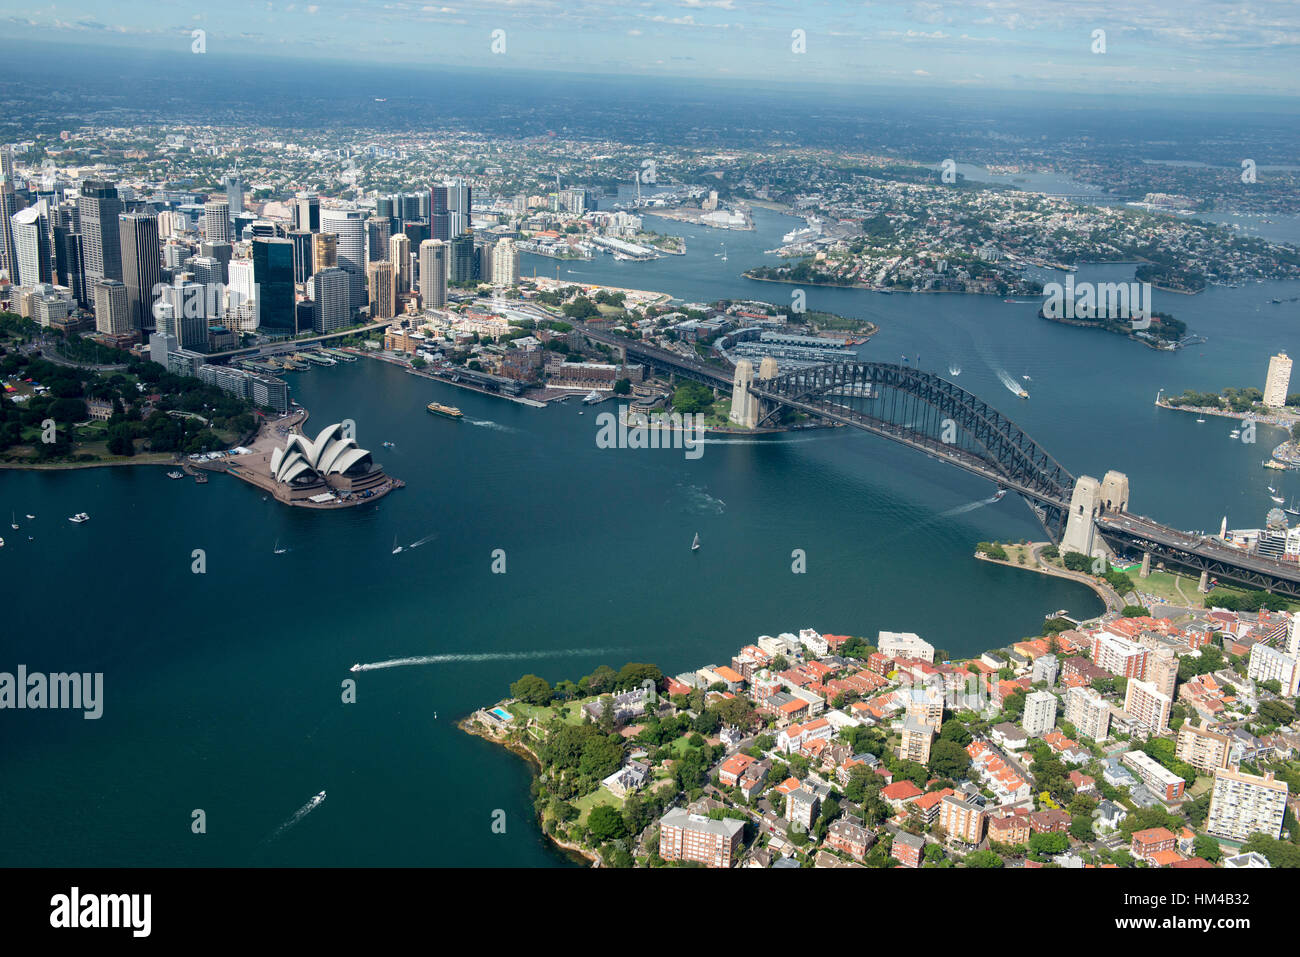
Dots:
pixel 223 689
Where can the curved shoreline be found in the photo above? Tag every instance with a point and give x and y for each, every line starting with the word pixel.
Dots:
pixel 469 725
pixel 1109 597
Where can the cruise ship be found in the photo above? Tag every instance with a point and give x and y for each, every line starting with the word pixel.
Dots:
pixel 811 231
pixel 450 412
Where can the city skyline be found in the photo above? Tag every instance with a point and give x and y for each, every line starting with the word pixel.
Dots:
pixel 1205 46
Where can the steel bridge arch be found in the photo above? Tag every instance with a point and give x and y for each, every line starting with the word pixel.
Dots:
pixel 1004 448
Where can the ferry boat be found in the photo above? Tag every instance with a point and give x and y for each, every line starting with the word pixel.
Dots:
pixel 447 411
pixel 999 495
pixel 79 518
pixel 356 667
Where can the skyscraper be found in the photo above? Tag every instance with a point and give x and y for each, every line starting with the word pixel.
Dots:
pixel 101 249
pixel 325 251
pixel 433 273
pixel 377 233
pixel 304 262
pixel 330 292
pixel 112 309
pixel 31 239
pixel 141 265
pixel 450 214
pixel 235 194
pixel 460 268
pixel 8 206
pixel 306 213
pixel 216 221
pixel 273 275
pixel 67 262
pixel 351 230
pixel 505 264
pixel 1278 381
pixel 379 276
pixel 399 254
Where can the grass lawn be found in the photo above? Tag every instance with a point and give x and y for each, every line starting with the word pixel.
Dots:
pixel 681 746
pixel 1203 784
pixel 599 796
pixel 1166 585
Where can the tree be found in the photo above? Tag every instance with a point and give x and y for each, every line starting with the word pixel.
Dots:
pixel 602 755
pixel 1042 844
pixel 606 824
pixel 623 386
pixel 532 689
pixel 1081 827
pixel 1206 847
pixel 948 759
pixel 955 732
pixel 982 859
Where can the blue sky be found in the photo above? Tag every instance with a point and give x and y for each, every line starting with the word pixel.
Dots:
pixel 1165 47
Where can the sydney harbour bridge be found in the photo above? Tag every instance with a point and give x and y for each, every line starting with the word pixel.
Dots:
pixel 940 419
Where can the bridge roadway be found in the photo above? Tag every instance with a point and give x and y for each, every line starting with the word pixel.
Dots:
pixel 1200 552
pixel 1125 530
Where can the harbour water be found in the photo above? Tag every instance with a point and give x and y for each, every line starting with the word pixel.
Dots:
pixel 223 689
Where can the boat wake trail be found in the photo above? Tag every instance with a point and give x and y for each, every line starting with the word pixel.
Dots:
pixel 489 424
pixel 482 656
pixel 299 814
pixel 700 502
pixel 968 507
pixel 426 539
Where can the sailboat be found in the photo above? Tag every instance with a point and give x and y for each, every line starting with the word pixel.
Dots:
pixel 695 545
pixel 278 550
pixel 396 547
pixel 13 521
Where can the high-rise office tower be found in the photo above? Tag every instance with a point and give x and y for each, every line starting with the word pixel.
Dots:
pixel 67 262
pixel 304 261
pixel 223 252
pixel 1278 381
pixel 207 270
pixel 141 265
pixel 7 162
pixel 8 207
pixel 433 273
pixel 416 233
pixel 99 207
pixel 379 278
pixel 377 233
pixel 216 221
pixel 461 265
pixel 330 292
pixel 273 274
pixel 440 215
pixel 505 264
pixel 306 213
pixel 325 251
pixel 399 254
pixel 241 296
pixel 450 215
pixel 112 308
pixel 411 208
pixel 31 239
pixel 351 230
pixel 235 194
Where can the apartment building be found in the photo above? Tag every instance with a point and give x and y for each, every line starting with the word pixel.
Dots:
pixel 1159 780
pixel 693 837
pixel 916 741
pixel 1271 664
pixel 1147 706
pixel 1119 656
pixel 1203 749
pixel 1088 712
pixel 1040 713
pixel 1244 804
pixel 963 820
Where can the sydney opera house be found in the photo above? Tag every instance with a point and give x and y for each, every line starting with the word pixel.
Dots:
pixel 329 467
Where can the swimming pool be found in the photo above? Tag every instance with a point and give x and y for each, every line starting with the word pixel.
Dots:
pixel 502 713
